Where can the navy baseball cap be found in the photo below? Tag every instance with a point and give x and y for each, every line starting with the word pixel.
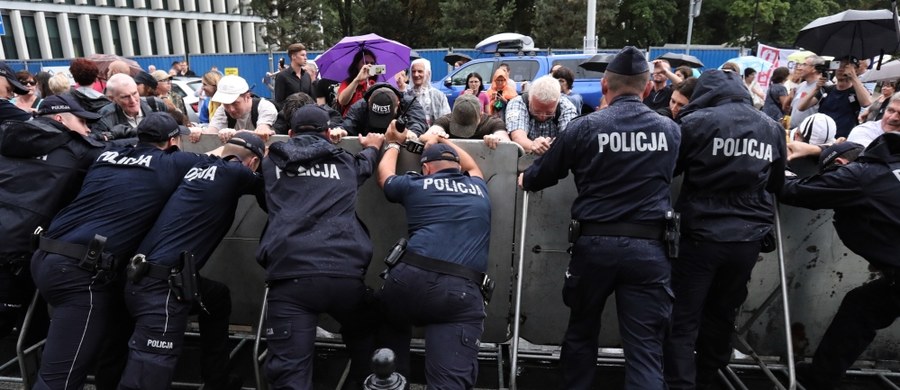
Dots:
pixel 382 104
pixel 848 150
pixel 159 127
pixel 439 152
pixel 250 141
pixel 58 104
pixel 10 75
pixel 309 119
pixel 629 61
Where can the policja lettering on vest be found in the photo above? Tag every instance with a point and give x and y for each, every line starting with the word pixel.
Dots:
pixel 450 185
pixel 632 142
pixel 734 147
pixel 113 158
pixel 201 173
pixel 326 171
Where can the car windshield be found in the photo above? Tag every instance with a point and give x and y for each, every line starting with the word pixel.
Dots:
pixel 580 73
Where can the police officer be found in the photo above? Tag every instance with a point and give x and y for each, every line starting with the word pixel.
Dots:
pixel 315 250
pixel 194 220
pixel 622 158
pixel 42 165
pixel 732 157
pixel 75 268
pixel 863 195
pixel 437 283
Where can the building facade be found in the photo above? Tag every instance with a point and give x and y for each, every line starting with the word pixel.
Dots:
pixel 53 29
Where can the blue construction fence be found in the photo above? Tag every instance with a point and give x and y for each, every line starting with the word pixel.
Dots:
pixel 254 66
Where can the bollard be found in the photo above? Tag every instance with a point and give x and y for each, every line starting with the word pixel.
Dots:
pixel 384 377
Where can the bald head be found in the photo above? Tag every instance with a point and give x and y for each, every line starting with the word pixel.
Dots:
pixel 117 67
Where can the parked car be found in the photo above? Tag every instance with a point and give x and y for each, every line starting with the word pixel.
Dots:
pixel 525 68
pixel 187 88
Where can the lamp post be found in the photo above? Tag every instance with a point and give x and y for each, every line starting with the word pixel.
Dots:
pixel 693 11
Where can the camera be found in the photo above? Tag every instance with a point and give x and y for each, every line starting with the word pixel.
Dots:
pixel 375 70
pixel 828 67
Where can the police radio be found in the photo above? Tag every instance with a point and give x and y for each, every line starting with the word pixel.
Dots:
pixel 673 233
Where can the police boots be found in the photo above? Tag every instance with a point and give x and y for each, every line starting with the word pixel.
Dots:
pixel 384 377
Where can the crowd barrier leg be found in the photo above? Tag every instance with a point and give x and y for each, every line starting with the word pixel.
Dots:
pixel 257 356
pixel 27 370
pixel 514 353
pixel 792 374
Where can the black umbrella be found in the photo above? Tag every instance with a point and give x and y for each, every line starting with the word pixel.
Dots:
pixel 678 59
pixel 862 34
pixel 597 63
pixel 451 58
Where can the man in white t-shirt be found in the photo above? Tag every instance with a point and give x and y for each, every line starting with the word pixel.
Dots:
pixel 240 110
pixel 810 76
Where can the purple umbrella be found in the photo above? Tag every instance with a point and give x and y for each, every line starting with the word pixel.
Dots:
pixel 334 62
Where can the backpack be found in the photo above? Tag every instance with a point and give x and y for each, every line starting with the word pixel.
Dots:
pixel 254 114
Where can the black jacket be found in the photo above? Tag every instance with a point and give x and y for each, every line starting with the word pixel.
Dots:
pixel 42 166
pixel 311 193
pixel 282 124
pixel 732 157
pixel 112 115
pixel 864 197
pixel 89 103
pixel 357 119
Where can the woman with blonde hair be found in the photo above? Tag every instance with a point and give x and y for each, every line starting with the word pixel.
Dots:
pixel 501 92
pixel 207 106
pixel 59 83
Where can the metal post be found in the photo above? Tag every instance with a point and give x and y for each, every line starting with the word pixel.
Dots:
pixel 687 50
pixel 514 354
pixel 792 374
pixel 590 36
pixel 260 382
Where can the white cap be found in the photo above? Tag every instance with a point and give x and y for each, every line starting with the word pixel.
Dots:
pixel 229 88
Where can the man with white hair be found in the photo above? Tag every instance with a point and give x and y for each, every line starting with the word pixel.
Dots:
pixel 536 117
pixel 128 109
pixel 434 102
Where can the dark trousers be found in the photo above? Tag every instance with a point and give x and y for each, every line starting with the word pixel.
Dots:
pixel 294 306
pixel 450 308
pixel 865 310
pixel 638 272
pixel 160 323
pixel 82 306
pixel 710 283
pixel 16 290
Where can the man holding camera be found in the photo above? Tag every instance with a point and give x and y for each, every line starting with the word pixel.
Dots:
pixel 441 287
pixel 381 104
pixel 842 100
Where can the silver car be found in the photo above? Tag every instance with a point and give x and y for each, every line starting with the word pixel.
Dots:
pixel 189 90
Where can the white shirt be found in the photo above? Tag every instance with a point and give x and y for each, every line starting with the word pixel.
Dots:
pixel 267 113
pixel 798 116
pixel 865 133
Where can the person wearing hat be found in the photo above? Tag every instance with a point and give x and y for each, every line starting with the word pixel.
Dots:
pixel 622 158
pixel 79 265
pixel 381 104
pixel 316 251
pixel 146 84
pixel 121 119
pixel 733 158
pixel 467 121
pixel 164 91
pixel 863 195
pixel 239 110
pixel 538 116
pixel 9 87
pixel 206 198
pixel 42 165
pixel 438 287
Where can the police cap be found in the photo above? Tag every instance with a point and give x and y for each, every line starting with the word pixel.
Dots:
pixel 6 71
pixel 250 141
pixel 629 61
pixel 58 104
pixel 848 150
pixel 439 152
pixel 159 127
pixel 309 119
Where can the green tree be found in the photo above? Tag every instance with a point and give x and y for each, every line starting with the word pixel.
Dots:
pixel 464 23
pixel 290 21
pixel 641 23
pixel 570 15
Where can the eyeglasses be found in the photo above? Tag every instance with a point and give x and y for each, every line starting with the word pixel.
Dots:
pixel 30 83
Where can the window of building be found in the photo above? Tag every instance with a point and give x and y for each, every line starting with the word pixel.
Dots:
pixel 55 39
pixel 95 31
pixel 116 38
pixel 76 36
pixel 153 48
pixel 200 35
pixel 135 42
pixel 31 37
pixel 9 42
pixel 129 3
pixel 169 37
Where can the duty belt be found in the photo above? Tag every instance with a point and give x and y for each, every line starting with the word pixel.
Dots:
pixel 625 229
pixel 90 256
pixel 443 267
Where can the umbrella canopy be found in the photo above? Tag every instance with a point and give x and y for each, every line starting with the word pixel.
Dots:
pixel 103 60
pixel 597 63
pixel 678 59
pixel 754 62
pixel 452 57
pixel 888 71
pixel 508 41
pixel 334 62
pixel 862 34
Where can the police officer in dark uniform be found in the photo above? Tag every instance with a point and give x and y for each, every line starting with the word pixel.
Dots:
pixel 76 267
pixel 42 164
pixel 193 222
pixel 437 283
pixel 732 157
pixel 863 195
pixel 315 250
pixel 623 158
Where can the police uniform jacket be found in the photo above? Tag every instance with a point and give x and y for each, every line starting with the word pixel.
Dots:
pixel 732 157
pixel 357 119
pixel 200 212
pixel 622 158
pixel 311 191
pixel 863 195
pixel 123 193
pixel 448 215
pixel 112 115
pixel 42 165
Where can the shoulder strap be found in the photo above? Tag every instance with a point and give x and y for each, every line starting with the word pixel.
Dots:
pixel 254 111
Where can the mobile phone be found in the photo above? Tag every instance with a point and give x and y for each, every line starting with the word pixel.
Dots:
pixel 376 70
